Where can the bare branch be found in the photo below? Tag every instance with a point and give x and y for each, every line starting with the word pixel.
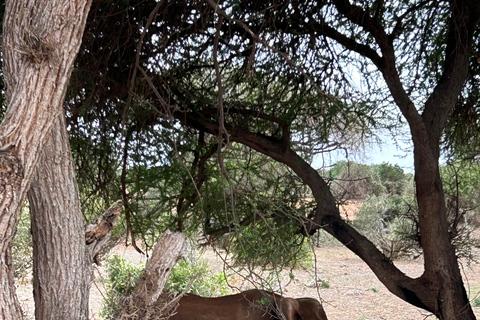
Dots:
pixel 141 304
pixel 98 233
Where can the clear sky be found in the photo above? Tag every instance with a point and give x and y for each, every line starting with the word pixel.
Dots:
pixel 389 151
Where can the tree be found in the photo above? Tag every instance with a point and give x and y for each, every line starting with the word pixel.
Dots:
pixel 269 75
pixel 37 66
pixel 442 275
pixel 60 260
pixel 278 66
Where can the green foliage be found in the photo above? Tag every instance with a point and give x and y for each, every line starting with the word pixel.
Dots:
pixel 391 177
pixel 352 181
pixel 121 279
pixel 390 223
pixel 388 214
pixel 274 245
pixel 324 284
pixel 461 182
pixel 476 302
pixel 199 277
pixel 22 247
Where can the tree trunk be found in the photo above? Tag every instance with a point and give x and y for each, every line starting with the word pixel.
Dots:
pixel 40 41
pixel 446 296
pixel 60 267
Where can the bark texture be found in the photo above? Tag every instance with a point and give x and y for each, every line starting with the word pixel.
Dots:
pixel 60 266
pixel 40 41
pixel 143 302
pixel 98 233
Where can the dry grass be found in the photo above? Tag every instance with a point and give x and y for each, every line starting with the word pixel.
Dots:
pixel 353 293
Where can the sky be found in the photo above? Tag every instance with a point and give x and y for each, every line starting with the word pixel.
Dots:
pixel 388 150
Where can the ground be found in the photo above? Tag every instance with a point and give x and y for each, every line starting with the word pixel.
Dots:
pixel 349 290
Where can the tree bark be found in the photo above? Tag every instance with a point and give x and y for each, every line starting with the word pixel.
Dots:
pixel 98 233
pixel 142 303
pixel 40 41
pixel 60 266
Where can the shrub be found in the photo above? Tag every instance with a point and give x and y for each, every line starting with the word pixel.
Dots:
pixel 22 247
pixel 123 276
pixel 121 279
pixel 204 282
pixel 263 245
pixel 390 222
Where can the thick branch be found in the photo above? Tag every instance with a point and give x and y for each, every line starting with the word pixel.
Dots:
pixel 464 19
pixel 141 303
pixel 388 64
pixel 327 215
pixel 349 43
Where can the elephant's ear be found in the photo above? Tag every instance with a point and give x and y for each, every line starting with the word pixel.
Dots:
pixel 310 309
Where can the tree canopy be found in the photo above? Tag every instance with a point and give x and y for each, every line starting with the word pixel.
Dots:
pixel 205 115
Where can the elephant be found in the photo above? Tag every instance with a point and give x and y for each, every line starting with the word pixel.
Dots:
pixel 248 305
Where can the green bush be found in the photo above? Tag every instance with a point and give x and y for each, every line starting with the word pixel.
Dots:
pixel 204 282
pixel 123 276
pixel 276 244
pixel 22 247
pixel 121 279
pixel 390 222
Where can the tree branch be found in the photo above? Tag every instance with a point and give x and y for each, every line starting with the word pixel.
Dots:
pixel 463 21
pixel 326 214
pixel 98 233
pixel 388 64
pixel 141 303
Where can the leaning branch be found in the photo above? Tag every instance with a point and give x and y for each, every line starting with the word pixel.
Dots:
pixel 387 66
pixel 463 22
pixel 326 215
pixel 142 302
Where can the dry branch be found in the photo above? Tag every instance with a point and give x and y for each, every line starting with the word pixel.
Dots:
pixel 142 303
pixel 97 233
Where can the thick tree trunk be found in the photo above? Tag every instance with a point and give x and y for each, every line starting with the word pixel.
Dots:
pixel 446 295
pixel 60 267
pixel 40 41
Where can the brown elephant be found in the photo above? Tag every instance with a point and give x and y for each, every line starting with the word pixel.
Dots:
pixel 248 305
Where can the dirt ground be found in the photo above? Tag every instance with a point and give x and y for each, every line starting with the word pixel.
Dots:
pixel 350 290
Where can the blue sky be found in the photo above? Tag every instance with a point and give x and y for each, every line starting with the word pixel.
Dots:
pixel 374 153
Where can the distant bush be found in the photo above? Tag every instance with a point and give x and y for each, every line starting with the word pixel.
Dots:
pixel 390 223
pixel 22 247
pixel 388 216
